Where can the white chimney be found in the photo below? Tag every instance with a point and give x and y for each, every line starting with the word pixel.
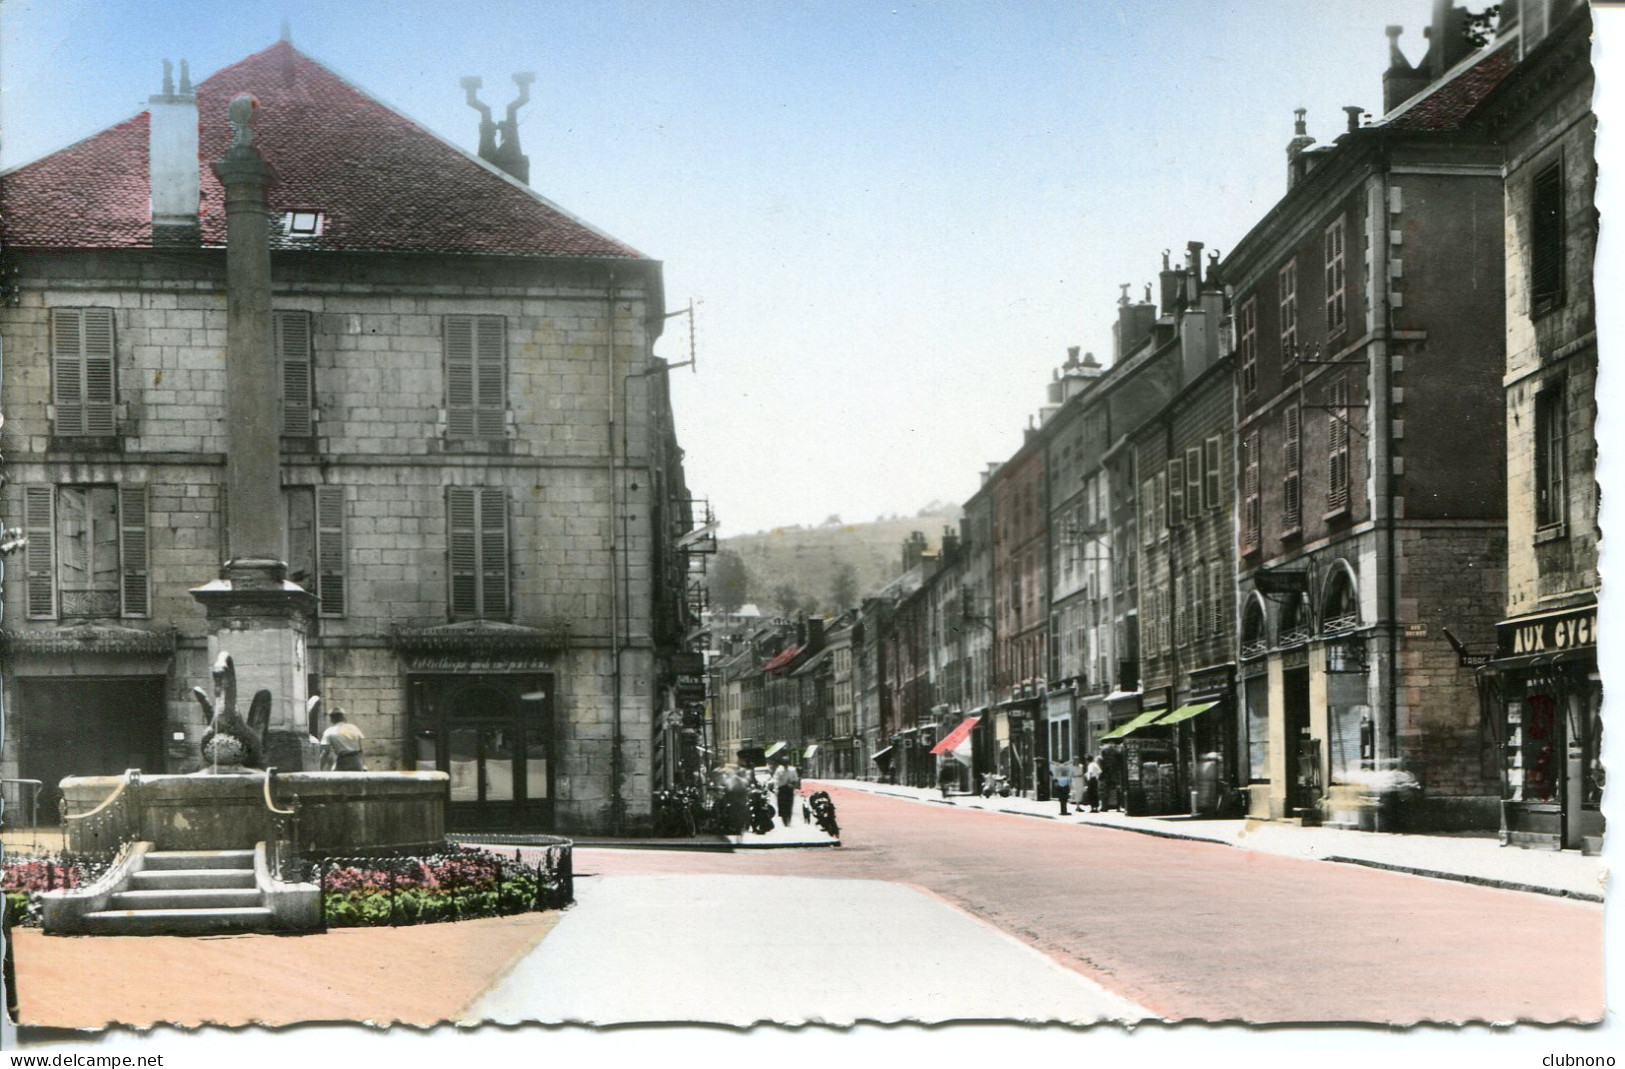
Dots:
pixel 173 159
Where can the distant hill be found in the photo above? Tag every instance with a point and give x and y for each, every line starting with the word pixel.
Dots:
pixel 792 569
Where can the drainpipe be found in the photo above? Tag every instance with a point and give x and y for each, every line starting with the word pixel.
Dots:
pixel 617 803
pixel 1381 430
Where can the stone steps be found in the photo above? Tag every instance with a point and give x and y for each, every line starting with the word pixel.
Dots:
pixel 186 879
pixel 178 921
pixel 186 892
pixel 199 859
pixel 187 898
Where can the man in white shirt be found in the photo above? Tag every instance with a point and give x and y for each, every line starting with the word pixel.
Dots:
pixel 341 744
pixel 785 781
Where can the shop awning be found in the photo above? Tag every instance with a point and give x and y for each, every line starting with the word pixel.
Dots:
pixel 810 752
pixel 879 754
pixel 956 738
pixel 1185 712
pixel 775 748
pixel 1133 725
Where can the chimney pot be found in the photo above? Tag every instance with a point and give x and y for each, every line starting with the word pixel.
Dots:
pixel 1353 111
pixel 169 79
pixel 186 77
pixel 172 161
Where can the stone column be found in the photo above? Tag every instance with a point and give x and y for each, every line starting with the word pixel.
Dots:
pixel 255 613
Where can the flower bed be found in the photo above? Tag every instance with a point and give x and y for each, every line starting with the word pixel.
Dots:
pixel 23 876
pixel 460 883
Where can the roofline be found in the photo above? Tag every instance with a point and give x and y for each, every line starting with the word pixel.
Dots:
pixel 74 144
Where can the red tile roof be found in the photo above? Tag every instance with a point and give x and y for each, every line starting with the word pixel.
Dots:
pixel 1447 106
pixel 384 182
pixel 782 659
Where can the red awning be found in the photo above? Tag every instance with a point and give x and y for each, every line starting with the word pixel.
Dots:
pixel 957 736
pixel 781 659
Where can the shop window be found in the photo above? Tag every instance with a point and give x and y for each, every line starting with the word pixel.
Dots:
pixel 1294 627
pixel 1254 629
pixel 87 554
pixel 82 363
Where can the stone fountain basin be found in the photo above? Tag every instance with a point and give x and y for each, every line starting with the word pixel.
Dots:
pixel 338 813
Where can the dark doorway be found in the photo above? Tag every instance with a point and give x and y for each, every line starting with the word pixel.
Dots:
pixel 493 735
pixel 88 727
pixel 1303 769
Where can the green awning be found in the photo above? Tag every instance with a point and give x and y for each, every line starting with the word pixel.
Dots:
pixel 1133 725
pixel 1185 712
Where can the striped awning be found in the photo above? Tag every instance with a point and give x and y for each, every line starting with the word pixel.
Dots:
pixel 1185 712
pixel 1133 725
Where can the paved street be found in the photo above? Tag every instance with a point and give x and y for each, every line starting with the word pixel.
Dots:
pixel 1195 930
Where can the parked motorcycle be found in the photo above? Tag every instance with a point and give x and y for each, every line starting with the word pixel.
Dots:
pixel 823 811
pixel 762 814
pixel 995 783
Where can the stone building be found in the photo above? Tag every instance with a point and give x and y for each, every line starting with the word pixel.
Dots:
pixel 1021 612
pixel 1368 324
pixel 1542 691
pixel 481 484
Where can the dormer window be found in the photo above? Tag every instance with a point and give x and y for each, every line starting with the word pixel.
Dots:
pixel 303 223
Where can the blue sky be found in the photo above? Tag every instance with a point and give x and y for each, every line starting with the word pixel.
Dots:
pixel 897 215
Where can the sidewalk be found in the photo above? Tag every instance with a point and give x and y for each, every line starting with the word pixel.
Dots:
pixel 1470 859
pixel 741 950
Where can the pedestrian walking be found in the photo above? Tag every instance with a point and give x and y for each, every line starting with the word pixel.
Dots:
pixel 1091 782
pixel 1061 773
pixel 341 744
pixel 785 781
pixel 947 776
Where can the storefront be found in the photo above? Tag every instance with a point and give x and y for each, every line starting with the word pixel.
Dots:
pixel 1542 701
pixel 480 707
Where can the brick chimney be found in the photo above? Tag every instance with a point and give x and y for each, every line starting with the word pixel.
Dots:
pixel 504 154
pixel 1400 81
pixel 172 155
pixel 1447 39
pixel 1134 325
pixel 1296 165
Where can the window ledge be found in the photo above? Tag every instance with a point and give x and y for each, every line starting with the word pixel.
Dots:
pixel 108 443
pixel 1341 512
pixel 1555 532
pixel 1292 533
pixel 476 446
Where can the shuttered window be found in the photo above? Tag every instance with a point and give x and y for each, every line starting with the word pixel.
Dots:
pixel 87 554
pixel 1292 478
pixel 1250 517
pixel 1247 346
pixel 1288 285
pixel 476 376
pixel 1337 472
pixel 1176 493
pixel 293 348
pixel 1193 482
pixel 39 521
pixel 479 553
pixel 1547 240
pixel 330 586
pixel 1336 295
pixel 1551 449
pixel 135 585
pixel 1211 488
pixel 82 368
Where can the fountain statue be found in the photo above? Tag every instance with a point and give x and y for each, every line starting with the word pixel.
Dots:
pixel 230 744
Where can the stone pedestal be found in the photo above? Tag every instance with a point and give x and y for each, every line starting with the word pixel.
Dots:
pixel 261 619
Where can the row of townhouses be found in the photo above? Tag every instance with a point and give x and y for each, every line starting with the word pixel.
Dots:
pixel 1323 532
pixel 484 514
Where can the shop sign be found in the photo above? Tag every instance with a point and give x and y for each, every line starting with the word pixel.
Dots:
pixel 1548 634
pixel 451 662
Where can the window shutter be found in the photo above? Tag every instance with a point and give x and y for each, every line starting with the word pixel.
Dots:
pixel 1176 493
pixel 1250 518
pixel 293 346
pixel 134 570
pixel 491 371
pixel 1291 483
pixel 39 558
pixel 1335 310
pixel 98 348
pixel 494 554
pixel 1193 481
pixel 68 367
pixel 330 550
pixel 459 376
pixel 1337 491
pixel 464 552
pixel 1211 483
